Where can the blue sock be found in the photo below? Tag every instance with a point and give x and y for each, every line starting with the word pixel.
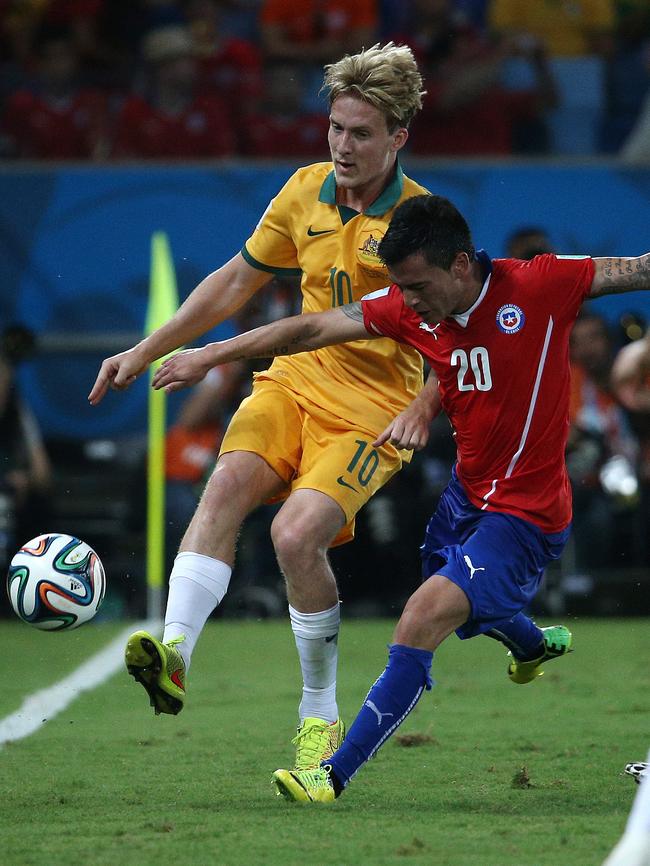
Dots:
pixel 522 637
pixel 387 704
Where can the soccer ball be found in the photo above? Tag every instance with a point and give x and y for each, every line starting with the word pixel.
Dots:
pixel 56 582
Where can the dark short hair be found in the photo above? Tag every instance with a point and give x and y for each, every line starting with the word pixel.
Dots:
pixel 430 225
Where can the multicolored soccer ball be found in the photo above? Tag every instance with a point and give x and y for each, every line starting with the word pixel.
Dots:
pixel 56 582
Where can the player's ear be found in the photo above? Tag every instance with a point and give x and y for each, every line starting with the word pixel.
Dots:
pixel 400 137
pixel 461 264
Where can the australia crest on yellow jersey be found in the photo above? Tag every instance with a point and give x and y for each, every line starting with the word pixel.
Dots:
pixel 368 249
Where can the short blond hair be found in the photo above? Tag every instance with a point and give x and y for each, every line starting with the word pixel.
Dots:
pixel 386 77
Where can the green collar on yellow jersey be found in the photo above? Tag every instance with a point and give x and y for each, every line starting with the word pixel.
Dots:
pixel 388 198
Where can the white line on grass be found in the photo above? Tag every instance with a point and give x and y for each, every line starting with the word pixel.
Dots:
pixel 47 703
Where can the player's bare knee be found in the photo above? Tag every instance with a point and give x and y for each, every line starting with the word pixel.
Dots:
pixel 293 544
pixel 229 488
pixel 221 487
pixel 416 624
pixel 428 618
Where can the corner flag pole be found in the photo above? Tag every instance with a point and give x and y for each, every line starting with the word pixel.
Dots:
pixel 163 303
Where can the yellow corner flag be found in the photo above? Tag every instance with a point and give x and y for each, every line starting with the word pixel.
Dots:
pixel 163 303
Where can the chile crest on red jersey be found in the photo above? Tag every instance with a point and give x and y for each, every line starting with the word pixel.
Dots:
pixel 510 318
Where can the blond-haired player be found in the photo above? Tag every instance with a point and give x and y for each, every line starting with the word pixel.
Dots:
pixel 309 432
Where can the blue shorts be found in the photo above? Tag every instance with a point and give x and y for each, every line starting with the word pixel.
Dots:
pixel 498 560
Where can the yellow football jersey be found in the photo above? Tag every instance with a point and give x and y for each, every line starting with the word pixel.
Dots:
pixel 334 248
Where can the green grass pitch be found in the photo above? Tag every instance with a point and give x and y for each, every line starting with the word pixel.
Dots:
pixel 495 774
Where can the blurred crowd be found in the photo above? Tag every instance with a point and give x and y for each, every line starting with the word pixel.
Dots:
pixel 194 79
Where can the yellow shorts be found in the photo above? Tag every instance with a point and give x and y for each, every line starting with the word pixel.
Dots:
pixel 311 448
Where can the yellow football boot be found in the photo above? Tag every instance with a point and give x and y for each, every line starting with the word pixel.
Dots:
pixel 159 668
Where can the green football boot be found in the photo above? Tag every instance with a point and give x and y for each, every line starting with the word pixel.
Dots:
pixel 159 668
pixel 557 642
pixel 316 742
pixel 304 786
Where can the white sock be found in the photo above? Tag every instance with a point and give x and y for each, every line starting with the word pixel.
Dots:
pixel 316 637
pixel 196 586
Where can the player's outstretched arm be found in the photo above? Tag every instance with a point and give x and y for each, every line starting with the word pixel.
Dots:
pixel 215 299
pixel 615 276
pixel 410 429
pixel 284 337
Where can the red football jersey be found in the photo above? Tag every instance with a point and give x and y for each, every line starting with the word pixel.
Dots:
pixel 503 371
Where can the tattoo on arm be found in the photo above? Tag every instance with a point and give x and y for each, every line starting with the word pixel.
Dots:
pixel 306 337
pixel 293 345
pixel 620 275
pixel 353 311
pixel 291 348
